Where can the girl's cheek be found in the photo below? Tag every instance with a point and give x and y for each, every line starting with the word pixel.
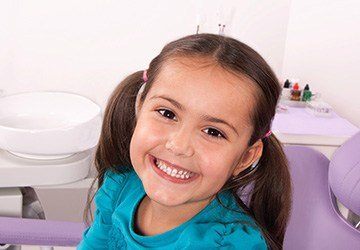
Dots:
pixel 214 160
pixel 150 132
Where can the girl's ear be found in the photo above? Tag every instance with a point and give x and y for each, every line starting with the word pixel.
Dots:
pixel 250 155
pixel 137 102
pixel 137 106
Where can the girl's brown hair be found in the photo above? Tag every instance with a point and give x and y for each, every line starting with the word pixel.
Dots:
pixel 269 199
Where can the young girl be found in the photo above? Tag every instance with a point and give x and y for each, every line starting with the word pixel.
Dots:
pixel 186 158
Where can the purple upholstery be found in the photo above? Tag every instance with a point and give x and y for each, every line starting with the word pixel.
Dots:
pixel 20 231
pixel 344 174
pixel 314 224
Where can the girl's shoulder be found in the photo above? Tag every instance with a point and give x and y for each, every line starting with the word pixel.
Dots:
pixel 117 179
pixel 242 236
pixel 239 229
pixel 109 193
pixel 224 236
pixel 228 226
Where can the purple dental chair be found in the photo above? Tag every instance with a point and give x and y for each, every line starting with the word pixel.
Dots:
pixel 20 231
pixel 315 221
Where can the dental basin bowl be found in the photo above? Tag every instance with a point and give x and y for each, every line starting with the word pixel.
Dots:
pixel 48 125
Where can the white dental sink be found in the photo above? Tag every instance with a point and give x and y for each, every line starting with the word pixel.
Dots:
pixel 48 125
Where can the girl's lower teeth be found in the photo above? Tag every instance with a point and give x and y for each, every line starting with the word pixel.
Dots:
pixel 174 173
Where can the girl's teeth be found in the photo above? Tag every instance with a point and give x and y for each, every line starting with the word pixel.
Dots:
pixel 173 172
pixel 168 171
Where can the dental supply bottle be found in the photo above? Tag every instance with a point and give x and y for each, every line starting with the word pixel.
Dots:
pixel 295 93
pixel 285 93
pixel 306 94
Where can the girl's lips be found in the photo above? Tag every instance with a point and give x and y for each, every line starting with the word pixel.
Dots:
pixel 172 165
pixel 168 177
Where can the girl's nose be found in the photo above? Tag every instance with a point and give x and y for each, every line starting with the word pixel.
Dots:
pixel 180 144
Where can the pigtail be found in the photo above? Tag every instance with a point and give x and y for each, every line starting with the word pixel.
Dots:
pixel 117 128
pixel 270 200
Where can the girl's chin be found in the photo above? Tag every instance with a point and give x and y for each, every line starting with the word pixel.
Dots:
pixel 165 195
pixel 166 201
pixel 164 190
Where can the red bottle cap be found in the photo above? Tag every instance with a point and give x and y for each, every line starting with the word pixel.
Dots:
pixel 296 86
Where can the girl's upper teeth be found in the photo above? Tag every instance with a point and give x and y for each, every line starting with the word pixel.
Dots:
pixel 172 171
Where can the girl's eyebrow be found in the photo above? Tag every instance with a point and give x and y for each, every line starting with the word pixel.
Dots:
pixel 204 117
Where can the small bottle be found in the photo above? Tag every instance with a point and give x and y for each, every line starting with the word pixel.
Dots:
pixel 306 94
pixel 295 93
pixel 285 93
pixel 287 84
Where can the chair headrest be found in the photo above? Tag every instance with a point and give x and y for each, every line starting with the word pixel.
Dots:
pixel 344 173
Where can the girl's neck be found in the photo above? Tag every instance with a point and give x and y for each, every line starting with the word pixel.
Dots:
pixel 153 218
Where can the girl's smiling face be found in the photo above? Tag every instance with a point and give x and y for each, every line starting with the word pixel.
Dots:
pixel 196 116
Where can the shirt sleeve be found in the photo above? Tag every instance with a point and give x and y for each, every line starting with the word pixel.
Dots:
pixel 230 236
pixel 242 236
pixel 96 236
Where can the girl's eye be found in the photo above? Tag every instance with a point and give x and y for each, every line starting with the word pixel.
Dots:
pixel 212 132
pixel 215 133
pixel 166 113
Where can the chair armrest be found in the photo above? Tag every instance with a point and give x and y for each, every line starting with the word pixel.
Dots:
pixel 21 231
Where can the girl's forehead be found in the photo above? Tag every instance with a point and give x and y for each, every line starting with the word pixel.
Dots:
pixel 198 70
pixel 202 69
pixel 206 89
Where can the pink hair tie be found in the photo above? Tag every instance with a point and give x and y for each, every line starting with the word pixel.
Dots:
pixel 268 134
pixel 145 78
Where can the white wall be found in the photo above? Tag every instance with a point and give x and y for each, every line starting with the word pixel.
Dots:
pixel 88 46
pixel 323 49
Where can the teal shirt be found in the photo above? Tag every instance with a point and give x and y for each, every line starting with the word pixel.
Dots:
pixel 214 227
